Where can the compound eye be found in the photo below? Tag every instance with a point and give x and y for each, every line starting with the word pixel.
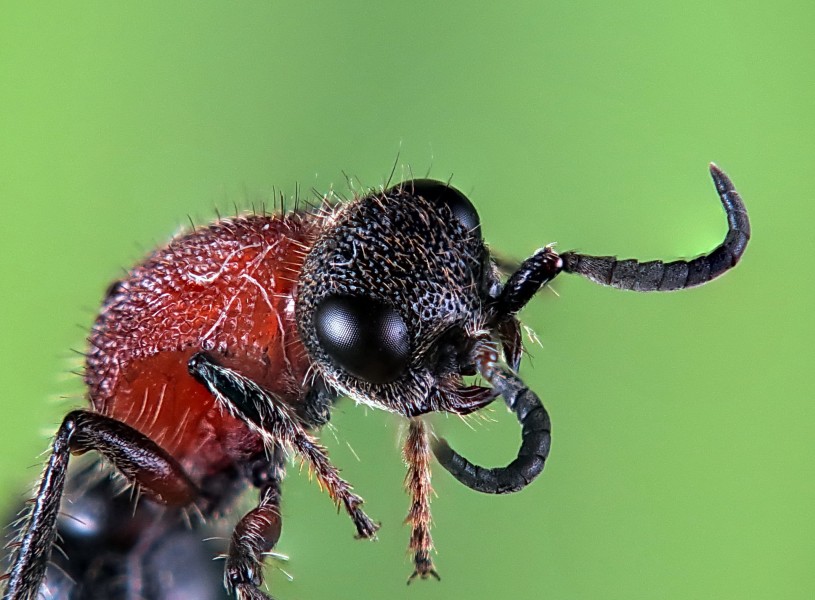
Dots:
pixel 367 338
pixel 442 193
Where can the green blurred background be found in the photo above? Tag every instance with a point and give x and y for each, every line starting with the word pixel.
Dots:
pixel 682 461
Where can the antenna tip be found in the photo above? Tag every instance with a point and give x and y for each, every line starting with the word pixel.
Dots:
pixel 722 181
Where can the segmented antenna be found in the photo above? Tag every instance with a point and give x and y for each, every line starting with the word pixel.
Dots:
pixel 658 276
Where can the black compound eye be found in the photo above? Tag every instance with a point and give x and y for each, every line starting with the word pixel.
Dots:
pixel 365 337
pixel 442 193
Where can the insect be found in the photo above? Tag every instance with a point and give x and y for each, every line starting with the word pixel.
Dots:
pixel 225 350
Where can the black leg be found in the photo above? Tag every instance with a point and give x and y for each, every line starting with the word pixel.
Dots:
pixel 536 436
pixel 276 424
pixel 255 534
pixel 137 457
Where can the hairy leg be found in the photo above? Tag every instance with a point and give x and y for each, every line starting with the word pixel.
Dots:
pixel 417 482
pixel 133 454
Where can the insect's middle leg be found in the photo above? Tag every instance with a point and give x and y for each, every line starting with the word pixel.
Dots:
pixel 255 535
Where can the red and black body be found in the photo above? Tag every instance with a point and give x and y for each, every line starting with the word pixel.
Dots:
pixel 226 349
pixel 228 290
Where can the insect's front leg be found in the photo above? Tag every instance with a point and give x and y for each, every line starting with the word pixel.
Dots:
pixel 276 424
pixel 133 454
pixel 417 482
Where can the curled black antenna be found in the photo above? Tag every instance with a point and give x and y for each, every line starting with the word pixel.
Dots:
pixel 658 276
pixel 536 436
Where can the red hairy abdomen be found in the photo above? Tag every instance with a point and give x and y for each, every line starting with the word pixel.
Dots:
pixel 226 289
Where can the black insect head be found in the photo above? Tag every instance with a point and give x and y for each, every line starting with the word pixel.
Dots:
pixel 394 295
